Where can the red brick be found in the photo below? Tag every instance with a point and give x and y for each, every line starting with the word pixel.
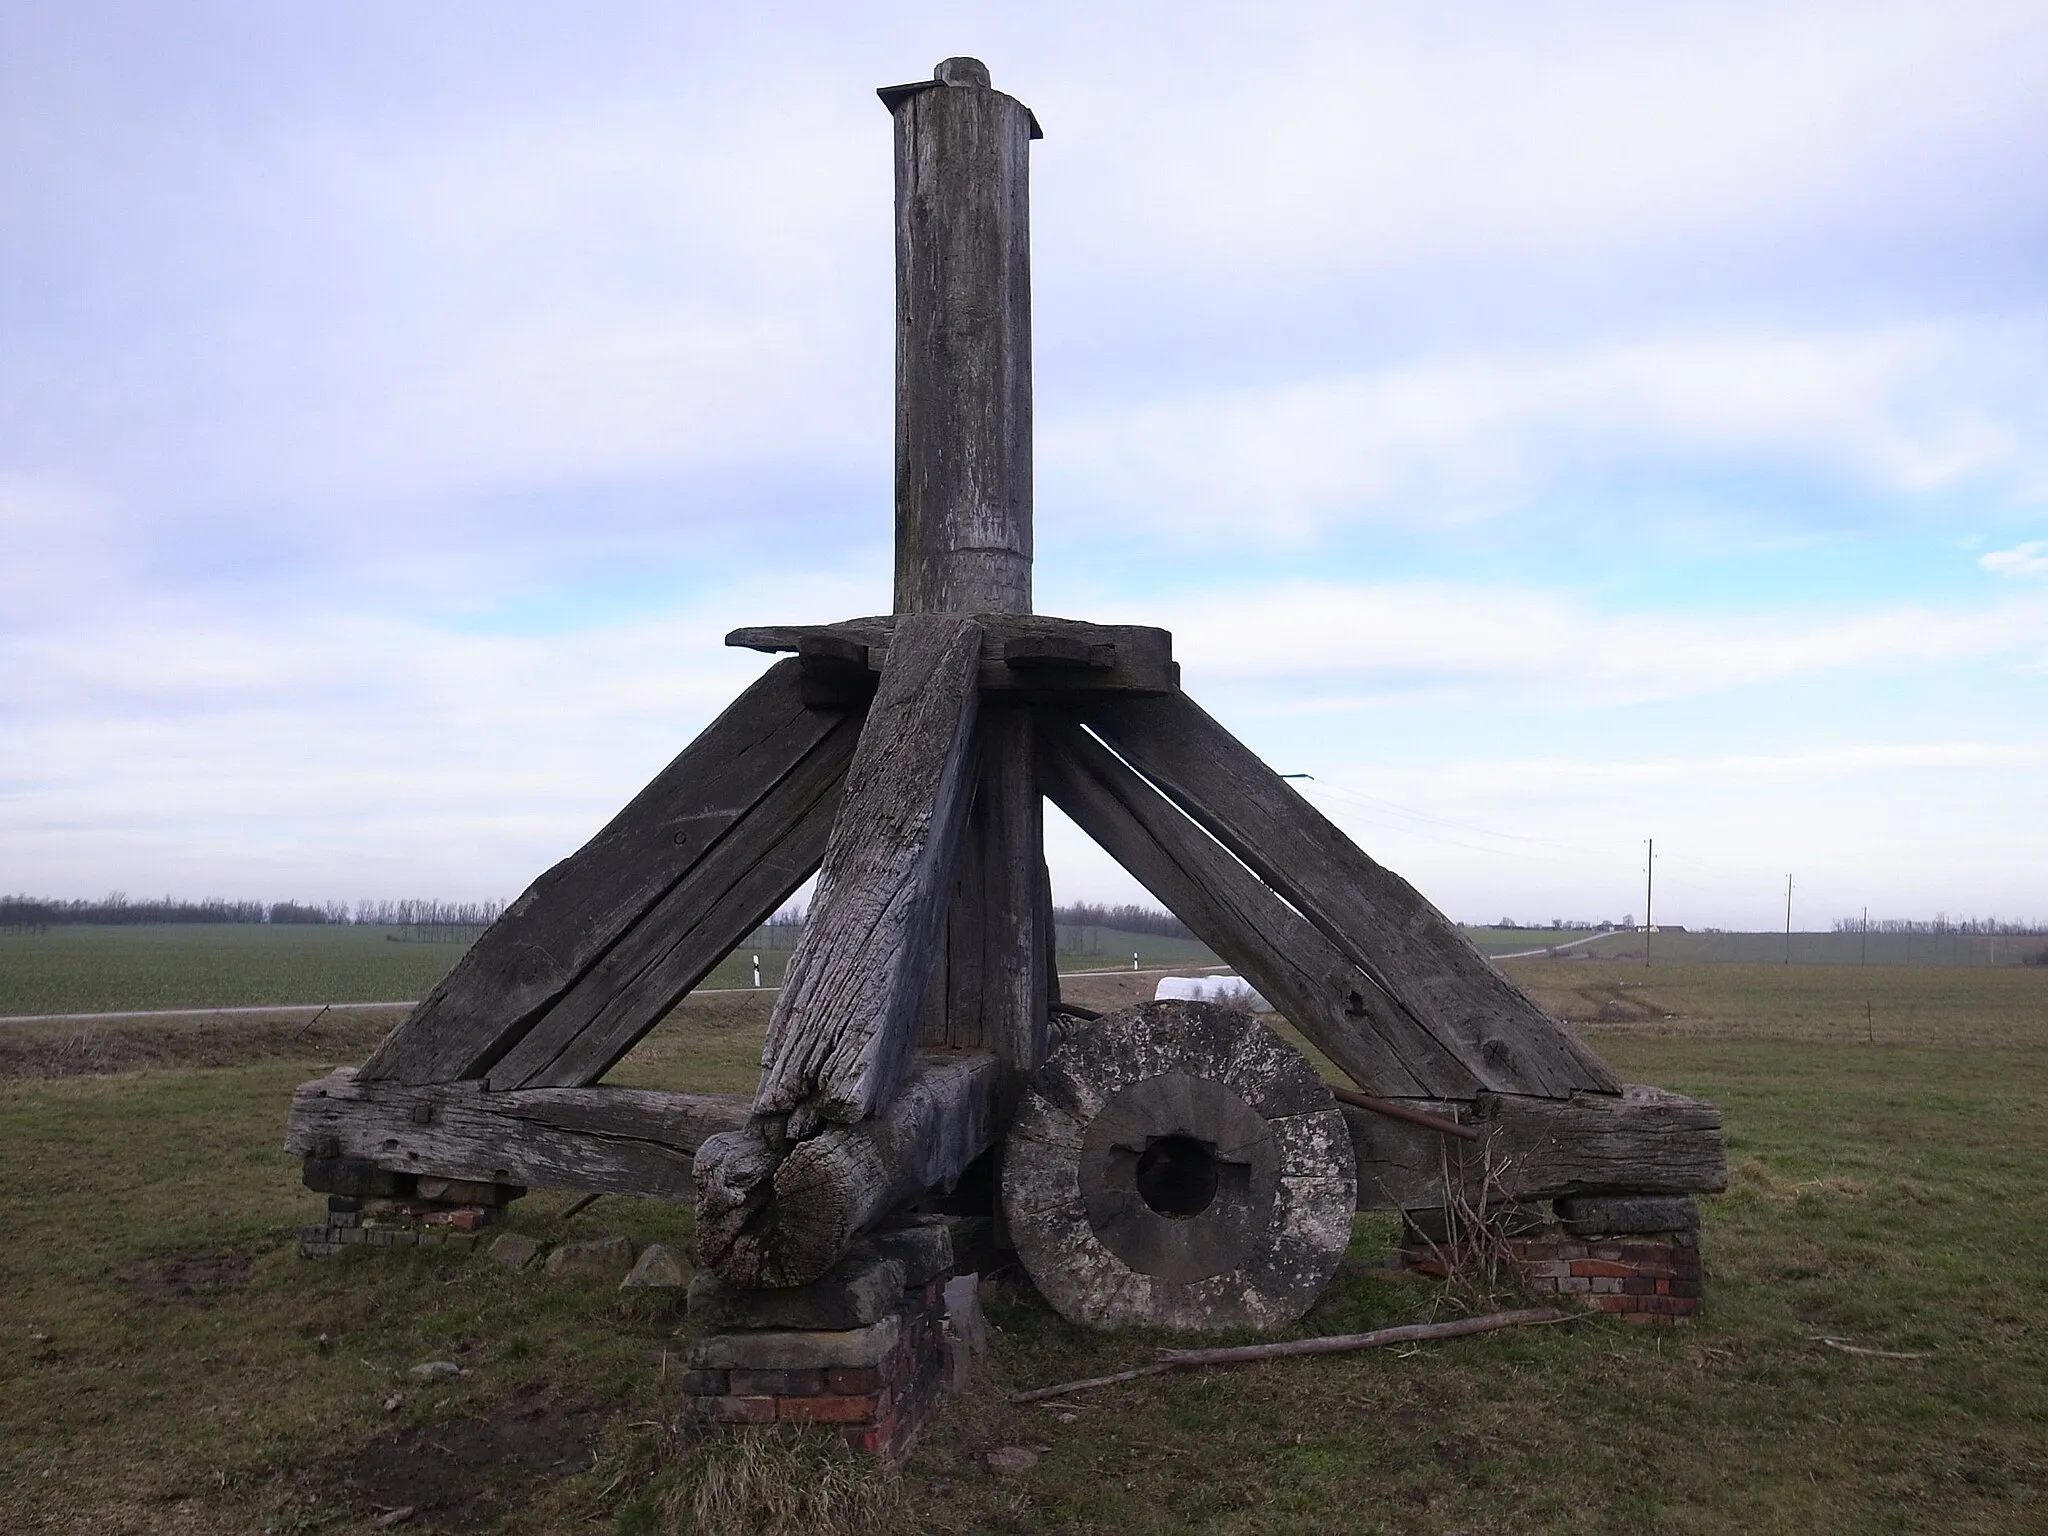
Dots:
pixel 1690 1288
pixel 1642 1285
pixel 853 1380
pixel 830 1409
pixel 1533 1251
pixel 1611 1303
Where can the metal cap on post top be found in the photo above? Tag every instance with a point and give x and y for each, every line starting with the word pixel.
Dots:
pixel 963 343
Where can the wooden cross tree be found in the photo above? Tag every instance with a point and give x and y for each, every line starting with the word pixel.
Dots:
pixel 903 758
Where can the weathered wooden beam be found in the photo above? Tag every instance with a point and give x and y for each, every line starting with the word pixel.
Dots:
pixel 770 852
pixel 1648 1140
pixel 771 1214
pixel 1033 654
pixel 846 1020
pixel 1337 1005
pixel 1643 1140
pixel 625 1141
pixel 991 992
pixel 1418 956
pixel 963 344
pixel 573 914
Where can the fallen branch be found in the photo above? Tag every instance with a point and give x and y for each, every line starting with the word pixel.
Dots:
pixel 1880 1354
pixel 1332 1344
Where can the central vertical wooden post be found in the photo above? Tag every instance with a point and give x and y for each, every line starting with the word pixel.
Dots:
pixel 963 344
pixel 963 513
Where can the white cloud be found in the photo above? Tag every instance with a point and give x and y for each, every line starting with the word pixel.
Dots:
pixel 1898 412
pixel 1312 645
pixel 2028 559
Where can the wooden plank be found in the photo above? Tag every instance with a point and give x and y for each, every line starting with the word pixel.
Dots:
pixel 1014 938
pixel 751 872
pixel 846 1021
pixel 1648 1140
pixel 963 347
pixel 623 1141
pixel 1644 1140
pixel 770 1215
pixel 994 993
pixel 1417 955
pixel 1329 999
pixel 571 915
pixel 1033 654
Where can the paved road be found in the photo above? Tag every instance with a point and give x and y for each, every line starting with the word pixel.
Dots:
pixel 1526 954
pixel 313 1008
pixel 268 1008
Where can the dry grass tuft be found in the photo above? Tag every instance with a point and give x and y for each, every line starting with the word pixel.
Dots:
pixel 756 1484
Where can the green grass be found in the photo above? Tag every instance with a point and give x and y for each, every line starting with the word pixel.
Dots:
pixel 89 968
pixel 1877 949
pixel 1892 1195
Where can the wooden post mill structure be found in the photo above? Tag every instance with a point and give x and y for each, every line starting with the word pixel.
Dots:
pixel 1175 1163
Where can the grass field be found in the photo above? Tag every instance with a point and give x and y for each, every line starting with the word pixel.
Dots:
pixel 87 968
pixel 168 1365
pixel 1667 947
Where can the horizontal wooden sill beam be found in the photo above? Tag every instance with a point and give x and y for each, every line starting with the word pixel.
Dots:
pixel 1026 653
pixel 1644 1140
pixel 602 1140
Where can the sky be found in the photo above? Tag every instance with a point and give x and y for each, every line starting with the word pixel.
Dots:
pixel 1551 426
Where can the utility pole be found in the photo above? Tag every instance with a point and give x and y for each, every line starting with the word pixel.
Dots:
pixel 1788 919
pixel 1649 889
pixel 1866 936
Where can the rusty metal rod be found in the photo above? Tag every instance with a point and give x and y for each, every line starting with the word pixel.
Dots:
pixel 1397 1111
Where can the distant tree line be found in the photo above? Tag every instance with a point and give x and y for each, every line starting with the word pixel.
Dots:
pixel 1129 918
pixel 1564 925
pixel 783 929
pixel 1941 922
pixel 32 914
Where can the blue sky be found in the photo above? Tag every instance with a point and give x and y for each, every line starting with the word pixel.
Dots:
pixel 1551 426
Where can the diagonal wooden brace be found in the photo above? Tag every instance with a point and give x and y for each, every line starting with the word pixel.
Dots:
pixel 1326 996
pixel 770 852
pixel 846 1022
pixel 571 916
pixel 1386 927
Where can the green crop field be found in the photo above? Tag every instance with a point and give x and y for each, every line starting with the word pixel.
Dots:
pixel 90 968
pixel 167 1363
pixel 1712 948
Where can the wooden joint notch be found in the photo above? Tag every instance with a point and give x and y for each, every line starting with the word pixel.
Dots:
pixel 837 673
pixel 1063 651
pixel 1021 653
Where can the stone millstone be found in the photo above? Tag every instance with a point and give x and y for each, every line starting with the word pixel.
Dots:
pixel 1178 1165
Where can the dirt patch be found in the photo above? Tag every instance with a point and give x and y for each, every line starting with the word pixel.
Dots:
pixel 463 1474
pixel 221 1040
pixel 1602 1002
pixel 195 1279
